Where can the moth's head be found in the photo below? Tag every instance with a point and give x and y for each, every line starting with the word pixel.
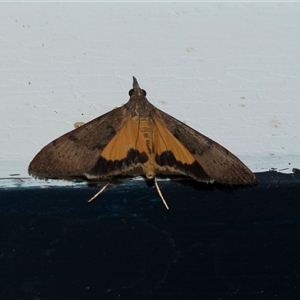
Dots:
pixel 136 90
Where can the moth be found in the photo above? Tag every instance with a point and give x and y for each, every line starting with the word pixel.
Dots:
pixel 138 139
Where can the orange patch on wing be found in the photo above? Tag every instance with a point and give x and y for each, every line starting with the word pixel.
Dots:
pixel 164 141
pixel 128 137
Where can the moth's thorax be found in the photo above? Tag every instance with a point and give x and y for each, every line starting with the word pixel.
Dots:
pixel 139 106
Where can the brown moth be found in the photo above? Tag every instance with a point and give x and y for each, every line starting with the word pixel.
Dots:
pixel 138 139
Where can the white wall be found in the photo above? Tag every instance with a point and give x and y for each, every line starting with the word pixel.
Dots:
pixel 230 70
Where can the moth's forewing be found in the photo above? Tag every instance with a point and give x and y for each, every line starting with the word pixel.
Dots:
pixel 216 161
pixel 77 151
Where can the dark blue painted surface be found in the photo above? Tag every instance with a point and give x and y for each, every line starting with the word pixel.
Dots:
pixel 214 243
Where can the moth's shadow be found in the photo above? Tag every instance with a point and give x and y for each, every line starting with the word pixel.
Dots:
pixel 196 185
pixel 167 181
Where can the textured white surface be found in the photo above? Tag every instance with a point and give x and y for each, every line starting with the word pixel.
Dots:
pixel 230 70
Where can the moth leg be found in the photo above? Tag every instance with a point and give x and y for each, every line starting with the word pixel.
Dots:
pixel 98 193
pixel 160 194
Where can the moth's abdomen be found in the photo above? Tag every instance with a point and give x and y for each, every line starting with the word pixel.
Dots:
pixel 145 126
